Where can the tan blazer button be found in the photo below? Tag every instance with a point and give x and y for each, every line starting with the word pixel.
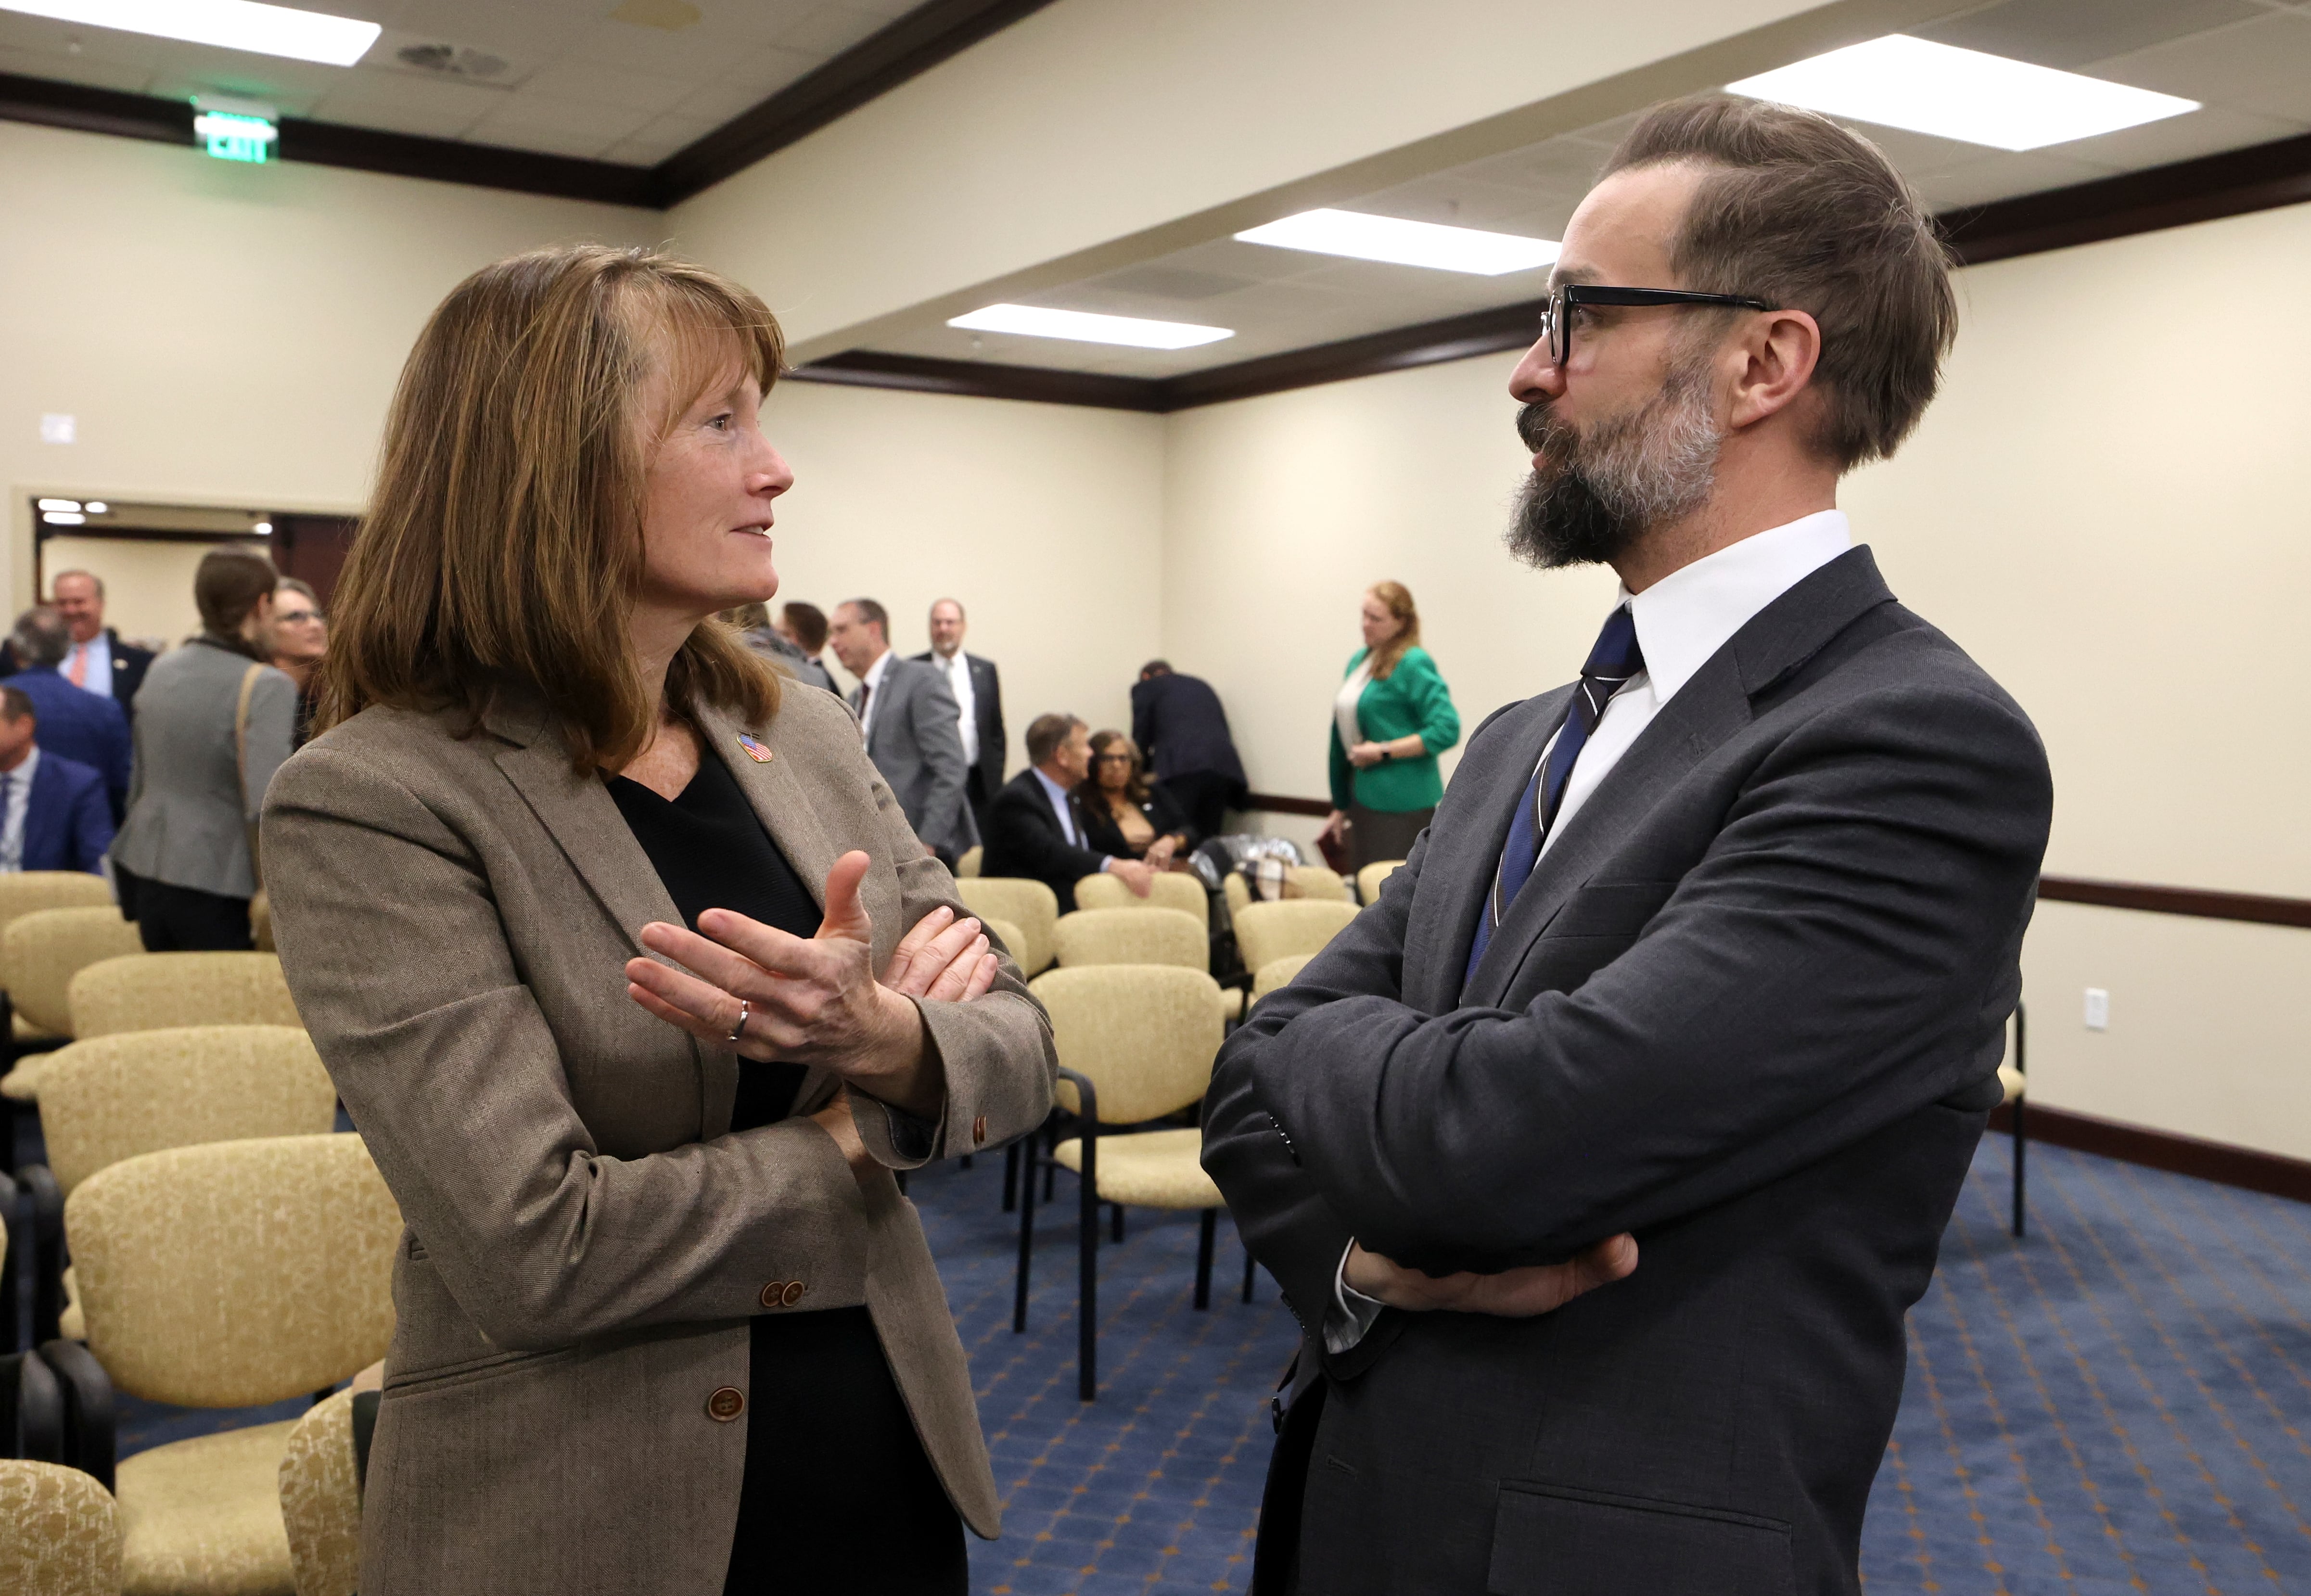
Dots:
pixel 979 1131
pixel 727 1403
pixel 775 1294
pixel 793 1292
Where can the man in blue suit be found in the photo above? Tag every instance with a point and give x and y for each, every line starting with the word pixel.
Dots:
pixel 53 815
pixel 78 725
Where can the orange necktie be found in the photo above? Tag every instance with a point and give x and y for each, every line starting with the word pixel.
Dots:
pixel 76 668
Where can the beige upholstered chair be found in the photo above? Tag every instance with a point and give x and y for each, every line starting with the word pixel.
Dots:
pixel 1300 881
pixel 1029 905
pixel 1136 1042
pixel 225 1276
pixel 113 1097
pixel 1278 972
pixel 320 1500
pixel 1169 890
pixel 152 991
pixel 1369 878
pixel 260 924
pixel 1142 936
pixel 1267 932
pixel 40 952
pixel 28 891
pixel 60 1531
pixel 1003 931
pixel 967 866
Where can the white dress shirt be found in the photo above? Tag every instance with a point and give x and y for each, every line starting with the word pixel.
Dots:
pixel 1682 621
pixel 97 675
pixel 19 806
pixel 873 682
pixel 957 671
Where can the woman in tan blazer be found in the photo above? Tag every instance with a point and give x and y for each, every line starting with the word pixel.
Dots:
pixel 548 890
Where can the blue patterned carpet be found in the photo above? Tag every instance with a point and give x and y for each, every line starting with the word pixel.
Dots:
pixel 2120 1403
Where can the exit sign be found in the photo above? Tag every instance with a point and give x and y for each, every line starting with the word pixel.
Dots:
pixel 236 130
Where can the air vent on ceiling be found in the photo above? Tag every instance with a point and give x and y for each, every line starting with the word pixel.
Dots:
pixel 437 57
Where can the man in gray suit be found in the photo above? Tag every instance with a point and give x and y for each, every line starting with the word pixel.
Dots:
pixel 908 718
pixel 1601 1158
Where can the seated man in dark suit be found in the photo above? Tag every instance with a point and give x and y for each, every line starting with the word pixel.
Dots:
pixel 75 723
pixel 52 816
pixel 1036 822
pixel 1603 1156
pixel 1182 729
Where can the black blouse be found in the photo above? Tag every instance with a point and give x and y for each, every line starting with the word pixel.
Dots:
pixel 838 1495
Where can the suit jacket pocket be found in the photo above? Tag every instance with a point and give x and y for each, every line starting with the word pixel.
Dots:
pixel 1610 909
pixel 1557 1540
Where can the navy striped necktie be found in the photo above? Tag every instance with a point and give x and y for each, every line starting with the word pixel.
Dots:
pixel 1611 663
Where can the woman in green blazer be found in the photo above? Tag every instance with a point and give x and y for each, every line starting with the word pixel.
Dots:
pixel 1393 717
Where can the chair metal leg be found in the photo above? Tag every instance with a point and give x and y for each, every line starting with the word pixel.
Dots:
pixel 1087 1292
pixel 2021 1147
pixel 1051 1164
pixel 966 1161
pixel 1249 1264
pixel 1115 1222
pixel 20 1246
pixel 1026 1232
pixel 1207 1229
pixel 1011 1177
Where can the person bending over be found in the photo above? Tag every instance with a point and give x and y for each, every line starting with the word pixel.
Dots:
pixel 637 984
pixel 1603 1156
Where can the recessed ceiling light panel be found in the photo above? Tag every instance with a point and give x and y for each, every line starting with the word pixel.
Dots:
pixel 1914 83
pixel 1034 321
pixel 1399 242
pixel 236 24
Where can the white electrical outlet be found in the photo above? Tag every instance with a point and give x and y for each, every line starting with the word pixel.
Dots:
pixel 2098 1009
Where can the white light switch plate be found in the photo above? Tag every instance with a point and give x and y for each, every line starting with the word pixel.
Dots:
pixel 2098 1009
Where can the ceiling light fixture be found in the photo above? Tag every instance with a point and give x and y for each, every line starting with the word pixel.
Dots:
pixel 97 507
pixel 1914 83
pixel 263 528
pixel 63 518
pixel 236 24
pixel 1390 238
pixel 1035 321
pixel 59 504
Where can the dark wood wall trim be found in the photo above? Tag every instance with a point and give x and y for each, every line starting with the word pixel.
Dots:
pixel 910 47
pixel 1275 805
pixel 2233 183
pixel 980 379
pixel 2224 1162
pixel 913 44
pixel 2196 902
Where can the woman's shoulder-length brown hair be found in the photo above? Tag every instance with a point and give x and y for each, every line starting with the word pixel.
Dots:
pixel 504 544
pixel 1397 600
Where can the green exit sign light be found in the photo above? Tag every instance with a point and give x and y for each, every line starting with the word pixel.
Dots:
pixel 236 131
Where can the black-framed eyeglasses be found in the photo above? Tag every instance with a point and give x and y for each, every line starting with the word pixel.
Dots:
pixel 1556 322
pixel 1111 759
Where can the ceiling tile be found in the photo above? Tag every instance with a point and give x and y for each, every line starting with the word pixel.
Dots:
pixel 700 52
pixel 2264 67
pixel 2067 33
pixel 830 30
pixel 71 69
pixel 761 20
pixel 657 139
pixel 606 86
pixel 70 41
pixel 2000 175
pixel 558 127
pixel 2179 138
pixel 392 101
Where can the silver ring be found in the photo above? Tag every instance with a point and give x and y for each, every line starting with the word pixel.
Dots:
pixel 739 1030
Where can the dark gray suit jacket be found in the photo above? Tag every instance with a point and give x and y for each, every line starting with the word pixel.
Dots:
pixel 912 739
pixel 1750 1007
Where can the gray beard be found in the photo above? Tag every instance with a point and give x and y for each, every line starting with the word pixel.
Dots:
pixel 1596 495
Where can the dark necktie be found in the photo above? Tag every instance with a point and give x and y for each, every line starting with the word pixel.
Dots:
pixel 865 693
pixel 10 857
pixel 1611 663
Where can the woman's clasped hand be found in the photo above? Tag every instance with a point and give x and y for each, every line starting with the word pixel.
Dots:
pixel 817 1001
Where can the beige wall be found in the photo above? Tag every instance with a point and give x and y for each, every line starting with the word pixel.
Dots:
pixel 1045 520
pixel 2110 505
pixel 148 584
pixel 225 335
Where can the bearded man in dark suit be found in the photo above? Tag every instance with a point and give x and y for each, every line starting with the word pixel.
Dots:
pixel 1603 1156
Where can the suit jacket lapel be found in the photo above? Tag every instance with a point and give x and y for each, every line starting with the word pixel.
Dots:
pixel 1711 706
pixel 1463 853
pixel 41 815
pixel 580 815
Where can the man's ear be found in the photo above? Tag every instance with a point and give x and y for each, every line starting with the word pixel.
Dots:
pixel 1778 353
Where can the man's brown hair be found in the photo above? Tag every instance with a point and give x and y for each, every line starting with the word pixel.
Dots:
pixel 1798 211
pixel 1045 733
pixel 504 542
pixel 807 622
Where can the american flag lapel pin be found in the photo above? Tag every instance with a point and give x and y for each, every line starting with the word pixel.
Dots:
pixel 754 750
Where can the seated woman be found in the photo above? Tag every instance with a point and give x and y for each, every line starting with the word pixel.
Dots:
pixel 547 891
pixel 1126 816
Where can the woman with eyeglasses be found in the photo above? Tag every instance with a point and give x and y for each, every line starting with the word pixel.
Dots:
pixel 1123 814
pixel 300 636
pixel 1391 718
